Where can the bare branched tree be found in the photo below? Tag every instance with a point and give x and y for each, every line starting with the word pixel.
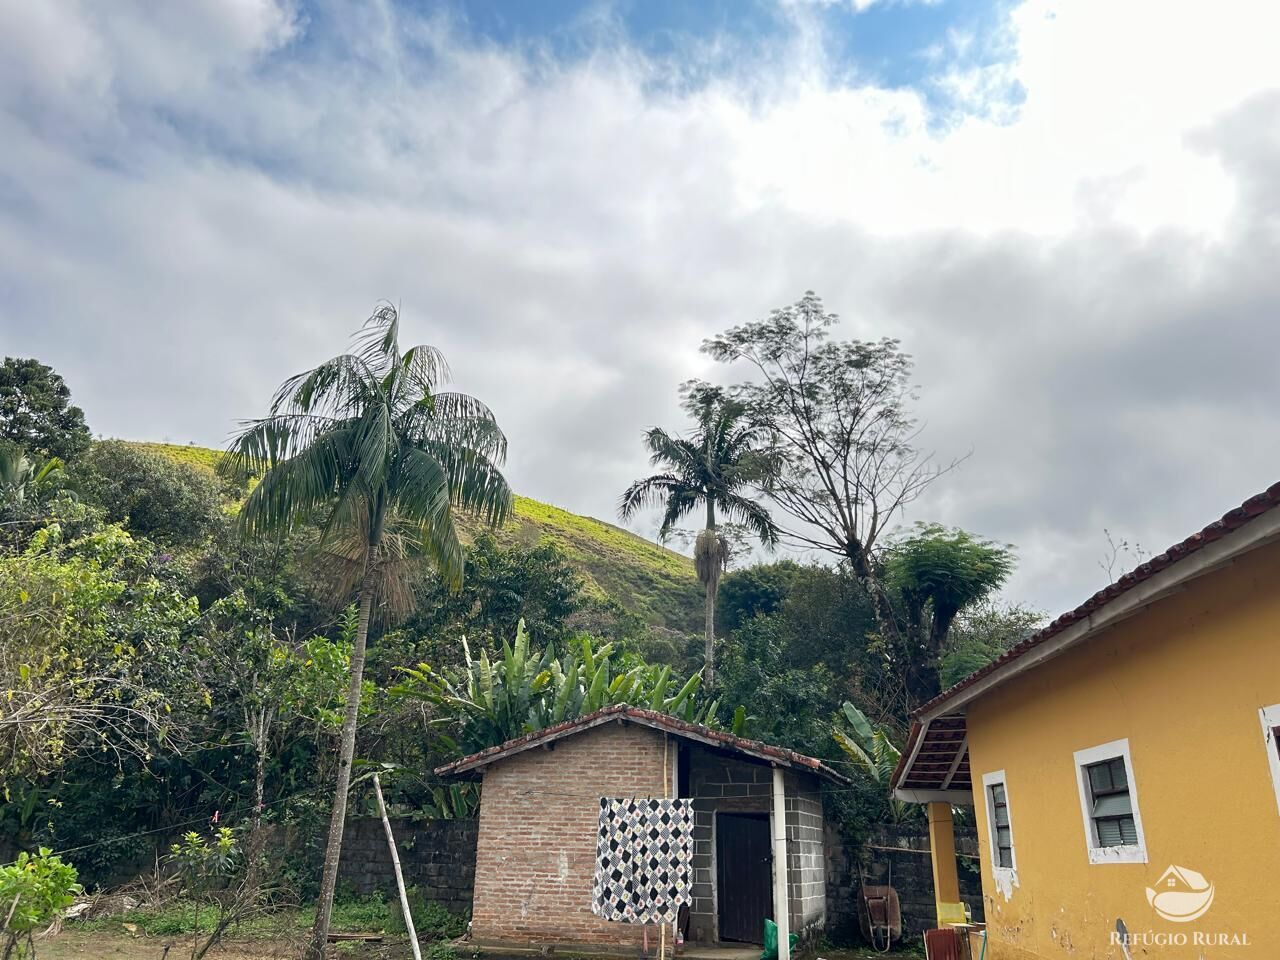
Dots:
pixel 842 438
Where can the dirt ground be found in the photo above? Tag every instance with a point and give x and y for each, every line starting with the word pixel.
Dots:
pixel 99 945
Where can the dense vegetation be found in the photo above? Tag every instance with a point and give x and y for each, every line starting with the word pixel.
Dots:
pixel 182 644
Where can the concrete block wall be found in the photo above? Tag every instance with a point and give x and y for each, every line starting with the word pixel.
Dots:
pixel 539 819
pixel 438 857
pixel 806 856
pixel 725 784
pixel 718 783
pixel 897 855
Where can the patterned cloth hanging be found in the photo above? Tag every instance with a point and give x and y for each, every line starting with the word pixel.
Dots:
pixel 644 860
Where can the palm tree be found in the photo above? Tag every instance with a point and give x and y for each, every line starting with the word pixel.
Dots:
pixel 366 446
pixel 706 470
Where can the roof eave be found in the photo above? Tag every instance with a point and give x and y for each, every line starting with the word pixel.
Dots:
pixel 1256 532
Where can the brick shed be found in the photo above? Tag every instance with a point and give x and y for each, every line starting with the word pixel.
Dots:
pixel 539 810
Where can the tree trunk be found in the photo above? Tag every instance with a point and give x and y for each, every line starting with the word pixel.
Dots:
pixel 346 752
pixel 709 649
pixel 713 581
pixel 253 868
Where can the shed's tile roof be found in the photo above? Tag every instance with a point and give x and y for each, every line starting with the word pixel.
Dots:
pixel 696 732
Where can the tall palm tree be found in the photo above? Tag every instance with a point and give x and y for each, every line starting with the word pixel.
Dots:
pixel 708 470
pixel 366 446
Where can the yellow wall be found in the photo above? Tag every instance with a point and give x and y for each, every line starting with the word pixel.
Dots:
pixel 1183 681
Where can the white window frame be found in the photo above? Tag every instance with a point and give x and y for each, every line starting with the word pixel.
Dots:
pixel 1270 717
pixel 1124 853
pixel 1004 876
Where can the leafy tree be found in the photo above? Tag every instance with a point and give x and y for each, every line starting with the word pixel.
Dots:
pixel 842 439
pixel 708 470
pixel 755 591
pixel 91 641
pixel 981 633
pixel 367 444
pixel 936 573
pixel 172 503
pixel 503 586
pixel 36 413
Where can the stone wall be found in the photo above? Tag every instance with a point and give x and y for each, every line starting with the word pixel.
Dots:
pixel 897 855
pixel 438 857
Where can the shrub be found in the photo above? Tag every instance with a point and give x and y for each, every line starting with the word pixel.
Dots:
pixel 169 502
pixel 34 891
pixel 432 921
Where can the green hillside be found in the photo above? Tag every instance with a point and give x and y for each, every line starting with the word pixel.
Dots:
pixel 643 577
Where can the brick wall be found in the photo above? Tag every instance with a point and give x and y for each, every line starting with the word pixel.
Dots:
pixel 438 857
pixel 540 813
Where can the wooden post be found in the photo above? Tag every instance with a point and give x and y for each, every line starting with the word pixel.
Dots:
pixel 395 863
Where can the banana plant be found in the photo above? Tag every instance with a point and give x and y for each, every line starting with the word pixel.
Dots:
pixel 522 691
pixel 871 749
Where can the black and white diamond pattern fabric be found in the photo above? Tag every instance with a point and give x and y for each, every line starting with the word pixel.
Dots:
pixel 644 860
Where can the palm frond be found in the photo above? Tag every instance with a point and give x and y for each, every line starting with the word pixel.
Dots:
pixel 648 492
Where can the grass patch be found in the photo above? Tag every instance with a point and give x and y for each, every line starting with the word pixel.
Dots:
pixel 177 919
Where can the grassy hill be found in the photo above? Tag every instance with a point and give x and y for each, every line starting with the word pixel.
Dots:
pixel 643 577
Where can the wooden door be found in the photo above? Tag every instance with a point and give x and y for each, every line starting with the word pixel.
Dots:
pixel 744 876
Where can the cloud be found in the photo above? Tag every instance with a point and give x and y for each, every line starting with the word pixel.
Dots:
pixel 1079 250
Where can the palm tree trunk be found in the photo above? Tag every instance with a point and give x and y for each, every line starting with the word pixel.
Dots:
pixel 346 752
pixel 709 648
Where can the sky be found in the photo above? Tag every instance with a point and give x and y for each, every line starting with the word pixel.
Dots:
pixel 1068 212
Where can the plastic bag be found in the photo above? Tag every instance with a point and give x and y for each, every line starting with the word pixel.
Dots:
pixel 770 951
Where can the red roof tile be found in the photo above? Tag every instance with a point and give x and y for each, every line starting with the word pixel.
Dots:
pixel 1231 520
pixel 718 739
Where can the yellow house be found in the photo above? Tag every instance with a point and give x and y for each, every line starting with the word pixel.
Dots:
pixel 1122 763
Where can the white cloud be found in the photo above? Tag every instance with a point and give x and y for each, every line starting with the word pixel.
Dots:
pixel 195 204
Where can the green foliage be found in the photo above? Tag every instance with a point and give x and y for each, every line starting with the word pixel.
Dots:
pixel 454 801
pixel 36 413
pixel 503 586
pixel 90 641
pixel 983 632
pixel 936 573
pixel 204 862
pixel 651 583
pixel 524 690
pixel 711 470
pixel 755 591
pixel 939 571
pixel 34 890
pixel 370 446
pixel 169 502
pixel 432 920
pixel 21 480
pixel 872 750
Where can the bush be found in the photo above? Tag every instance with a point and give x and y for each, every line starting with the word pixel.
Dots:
pixel 433 921
pixel 34 890
pixel 168 502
